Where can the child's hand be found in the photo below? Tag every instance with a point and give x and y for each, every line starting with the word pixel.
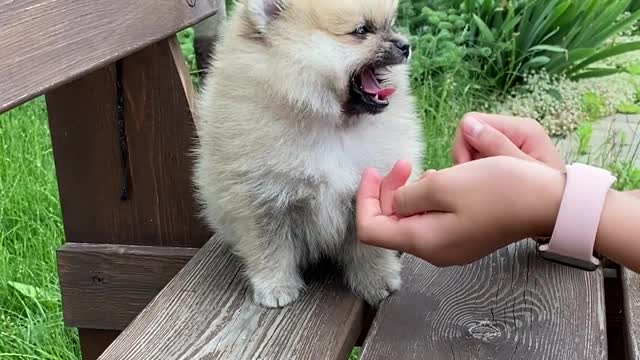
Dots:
pixel 460 214
pixel 484 135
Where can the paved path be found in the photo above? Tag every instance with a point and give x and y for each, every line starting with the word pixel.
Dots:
pixel 615 138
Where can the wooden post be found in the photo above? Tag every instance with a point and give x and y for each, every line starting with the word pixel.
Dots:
pixel 121 137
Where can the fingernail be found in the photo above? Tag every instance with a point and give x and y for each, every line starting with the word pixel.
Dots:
pixel 473 126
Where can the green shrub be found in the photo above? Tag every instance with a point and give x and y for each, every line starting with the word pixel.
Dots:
pixel 584 133
pixel 506 39
pixel 627 175
pixel 593 105
pixel 561 105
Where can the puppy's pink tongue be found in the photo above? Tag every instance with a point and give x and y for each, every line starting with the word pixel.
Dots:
pixel 371 86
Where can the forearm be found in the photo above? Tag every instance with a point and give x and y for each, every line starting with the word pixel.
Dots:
pixel 618 236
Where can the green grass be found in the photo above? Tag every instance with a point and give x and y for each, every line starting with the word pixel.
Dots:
pixel 30 230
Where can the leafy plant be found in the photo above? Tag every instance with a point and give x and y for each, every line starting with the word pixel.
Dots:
pixel 185 39
pixel 593 105
pixel 629 108
pixel 584 133
pixel 507 39
pixel 627 175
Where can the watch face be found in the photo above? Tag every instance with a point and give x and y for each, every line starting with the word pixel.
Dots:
pixel 568 261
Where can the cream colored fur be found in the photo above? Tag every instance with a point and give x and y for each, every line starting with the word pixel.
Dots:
pixel 278 163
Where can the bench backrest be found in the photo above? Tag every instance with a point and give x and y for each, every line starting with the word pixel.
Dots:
pixel 118 98
pixel 46 43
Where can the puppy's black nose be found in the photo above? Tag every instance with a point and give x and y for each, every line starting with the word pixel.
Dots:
pixel 404 46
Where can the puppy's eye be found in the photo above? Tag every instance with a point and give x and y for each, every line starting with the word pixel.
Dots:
pixel 361 31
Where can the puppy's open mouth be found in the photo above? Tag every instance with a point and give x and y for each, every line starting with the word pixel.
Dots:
pixel 367 86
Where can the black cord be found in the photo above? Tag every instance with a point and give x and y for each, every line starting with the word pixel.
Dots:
pixel 122 134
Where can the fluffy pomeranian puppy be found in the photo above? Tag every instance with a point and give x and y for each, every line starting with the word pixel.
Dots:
pixel 301 97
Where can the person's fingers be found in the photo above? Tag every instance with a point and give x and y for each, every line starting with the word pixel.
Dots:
pixel 428 194
pixel 526 134
pixel 383 231
pixel 517 129
pixel 372 227
pixel 489 141
pixel 429 235
pixel 397 177
pixel 462 151
pixel 368 195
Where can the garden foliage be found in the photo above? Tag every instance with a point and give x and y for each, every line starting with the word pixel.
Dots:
pixel 505 39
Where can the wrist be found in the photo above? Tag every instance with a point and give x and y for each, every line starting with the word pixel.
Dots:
pixel 548 198
pixel 612 203
pixel 583 200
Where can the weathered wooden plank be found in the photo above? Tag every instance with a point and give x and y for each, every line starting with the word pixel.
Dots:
pixel 510 305
pixel 631 293
pixel 106 286
pixel 206 312
pixel 124 176
pixel 46 43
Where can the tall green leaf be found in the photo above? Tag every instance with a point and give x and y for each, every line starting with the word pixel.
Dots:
pixel 604 54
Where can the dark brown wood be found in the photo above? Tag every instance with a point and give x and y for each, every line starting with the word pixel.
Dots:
pixel 631 293
pixel 94 342
pixel 614 306
pixel 46 43
pixel 153 135
pixel 106 286
pixel 510 305
pixel 206 312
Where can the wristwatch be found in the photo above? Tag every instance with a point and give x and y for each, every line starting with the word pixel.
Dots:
pixel 574 234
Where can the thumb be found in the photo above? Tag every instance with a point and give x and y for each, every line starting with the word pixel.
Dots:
pixel 427 194
pixel 397 177
pixel 488 141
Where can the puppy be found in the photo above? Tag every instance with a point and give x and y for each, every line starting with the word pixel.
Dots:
pixel 301 97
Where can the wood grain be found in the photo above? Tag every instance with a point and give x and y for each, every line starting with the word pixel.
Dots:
pixel 206 312
pixel 631 293
pixel 46 43
pixel 156 128
pixel 510 305
pixel 106 286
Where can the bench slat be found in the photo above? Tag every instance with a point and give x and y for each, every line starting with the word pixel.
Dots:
pixel 631 293
pixel 46 43
pixel 106 286
pixel 206 312
pixel 510 305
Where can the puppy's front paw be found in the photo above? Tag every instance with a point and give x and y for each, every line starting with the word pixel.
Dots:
pixel 375 282
pixel 377 287
pixel 277 296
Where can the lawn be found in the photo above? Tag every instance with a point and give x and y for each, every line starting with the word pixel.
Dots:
pixel 30 230
pixel 463 61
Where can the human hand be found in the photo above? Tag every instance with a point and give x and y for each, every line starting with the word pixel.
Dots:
pixel 458 215
pixel 482 135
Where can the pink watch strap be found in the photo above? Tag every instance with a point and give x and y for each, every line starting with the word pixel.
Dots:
pixel 579 215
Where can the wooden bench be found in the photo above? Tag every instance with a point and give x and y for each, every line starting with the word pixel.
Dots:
pixel 139 277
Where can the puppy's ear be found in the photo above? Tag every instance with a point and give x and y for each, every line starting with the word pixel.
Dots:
pixel 262 12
